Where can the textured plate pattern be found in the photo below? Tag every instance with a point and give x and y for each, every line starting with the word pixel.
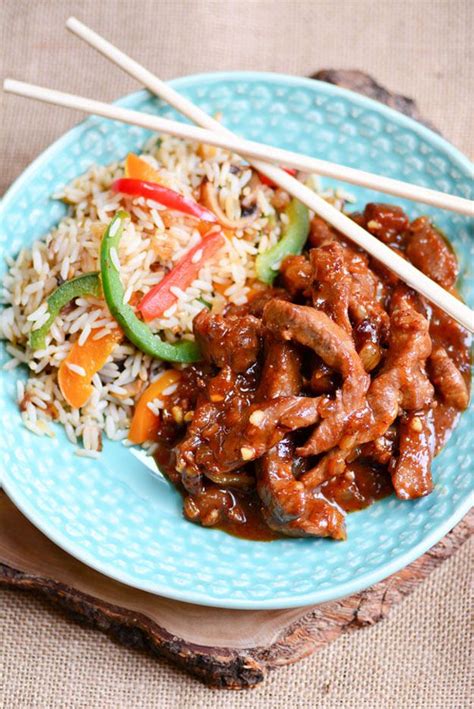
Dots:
pixel 116 516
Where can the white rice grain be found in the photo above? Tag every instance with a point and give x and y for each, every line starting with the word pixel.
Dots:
pixel 170 390
pixel 152 241
pixel 114 258
pixel 17 353
pixel 83 453
pixel 84 334
pixel 65 268
pixel 38 313
pixel 77 369
pixel 68 429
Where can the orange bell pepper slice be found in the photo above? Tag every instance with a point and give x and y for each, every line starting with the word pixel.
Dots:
pixel 145 424
pixel 138 169
pixel 91 356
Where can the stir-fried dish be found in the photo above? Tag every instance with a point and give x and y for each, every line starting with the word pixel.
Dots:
pixel 280 376
pixel 322 394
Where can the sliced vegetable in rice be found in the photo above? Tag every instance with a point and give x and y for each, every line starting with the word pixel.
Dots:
pixel 210 199
pixel 88 284
pixel 292 241
pixel 135 330
pixel 266 180
pixel 83 361
pixel 163 295
pixel 145 423
pixel 165 196
pixel 138 169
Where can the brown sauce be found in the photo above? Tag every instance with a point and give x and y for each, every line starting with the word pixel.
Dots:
pixel 457 342
pixel 361 485
pixel 364 480
pixel 253 526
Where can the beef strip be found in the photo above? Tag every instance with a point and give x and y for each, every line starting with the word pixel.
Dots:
pixel 288 507
pixel 212 506
pixel 320 519
pixel 396 386
pixel 346 289
pixel 331 283
pixel 259 300
pixel 370 321
pixel 296 275
pixel 387 222
pixel 219 404
pixel 381 449
pixel 447 379
pixel 428 251
pixel 188 464
pixel 283 497
pixel 330 465
pixel 260 427
pixel 402 383
pixel 323 378
pixel 316 330
pixel 281 372
pixel 321 233
pixel 411 470
pixel 233 340
pixel 224 436
pixel 410 346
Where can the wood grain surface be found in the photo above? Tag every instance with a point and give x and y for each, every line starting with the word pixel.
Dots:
pixel 223 648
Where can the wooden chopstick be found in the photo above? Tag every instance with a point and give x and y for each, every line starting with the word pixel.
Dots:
pixel 404 269
pixel 268 153
pixel 396 263
pixel 247 148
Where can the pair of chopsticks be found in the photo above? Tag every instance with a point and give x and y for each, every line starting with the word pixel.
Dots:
pixel 261 157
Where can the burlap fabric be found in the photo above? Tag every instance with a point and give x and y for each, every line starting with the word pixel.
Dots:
pixel 419 657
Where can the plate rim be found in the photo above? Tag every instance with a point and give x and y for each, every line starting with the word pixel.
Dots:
pixel 337 590
pixel 272 77
pixel 311 598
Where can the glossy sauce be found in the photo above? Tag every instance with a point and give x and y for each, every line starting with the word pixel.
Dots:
pixel 457 343
pixel 363 482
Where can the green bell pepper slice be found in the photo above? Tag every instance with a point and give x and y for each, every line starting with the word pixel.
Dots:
pixel 88 284
pixel 135 329
pixel 292 242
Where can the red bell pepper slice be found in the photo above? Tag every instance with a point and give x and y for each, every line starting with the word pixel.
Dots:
pixel 266 181
pixel 160 298
pixel 165 196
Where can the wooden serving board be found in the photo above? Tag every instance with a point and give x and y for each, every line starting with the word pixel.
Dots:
pixel 224 648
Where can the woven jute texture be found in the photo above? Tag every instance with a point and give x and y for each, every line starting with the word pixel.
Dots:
pixel 419 657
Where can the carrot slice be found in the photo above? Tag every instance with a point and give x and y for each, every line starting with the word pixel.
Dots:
pixel 138 169
pixel 145 424
pixel 90 357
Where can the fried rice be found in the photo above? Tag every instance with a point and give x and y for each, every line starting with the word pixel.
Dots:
pixel 154 240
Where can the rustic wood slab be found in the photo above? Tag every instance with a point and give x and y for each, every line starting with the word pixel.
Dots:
pixel 224 648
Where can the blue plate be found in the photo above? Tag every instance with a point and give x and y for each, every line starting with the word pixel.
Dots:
pixel 122 520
